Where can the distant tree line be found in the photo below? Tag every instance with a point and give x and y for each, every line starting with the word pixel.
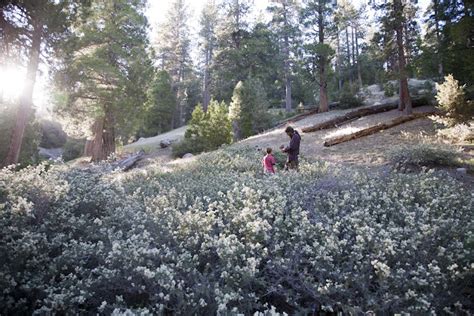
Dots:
pixel 109 75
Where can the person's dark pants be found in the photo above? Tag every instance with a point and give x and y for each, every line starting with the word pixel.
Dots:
pixel 292 165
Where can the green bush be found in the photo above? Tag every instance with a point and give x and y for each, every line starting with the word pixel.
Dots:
pixel 216 236
pixel 349 100
pixel 280 158
pixel 188 145
pixel 389 89
pixel 425 155
pixel 248 110
pixel 451 99
pixel 206 130
pixel 74 148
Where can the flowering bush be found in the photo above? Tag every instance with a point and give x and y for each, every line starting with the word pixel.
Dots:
pixel 218 236
pixel 425 155
pixel 458 133
pixel 451 98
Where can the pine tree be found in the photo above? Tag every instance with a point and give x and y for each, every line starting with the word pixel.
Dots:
pixel 31 26
pixel 394 24
pixel 434 36
pixel 160 105
pixel 107 71
pixel 229 65
pixel 209 130
pixel 208 43
pixel 235 110
pixel 318 20
pixel 348 21
pixel 219 130
pixel 285 25
pixel 249 109
pixel 174 54
pixel 449 44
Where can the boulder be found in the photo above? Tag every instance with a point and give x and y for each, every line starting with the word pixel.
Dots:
pixel 188 155
pixel 165 143
pixel 462 171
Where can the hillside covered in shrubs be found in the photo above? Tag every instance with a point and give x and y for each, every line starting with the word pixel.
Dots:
pixel 217 236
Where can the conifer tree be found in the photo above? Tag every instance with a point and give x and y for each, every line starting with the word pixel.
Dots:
pixel 160 105
pixel 285 25
pixel 249 109
pixel 107 71
pixel 31 27
pixel 208 43
pixel 394 24
pixel 317 17
pixel 174 55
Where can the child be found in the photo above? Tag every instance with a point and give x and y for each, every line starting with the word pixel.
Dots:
pixel 268 162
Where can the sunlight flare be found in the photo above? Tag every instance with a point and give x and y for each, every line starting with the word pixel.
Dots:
pixel 11 83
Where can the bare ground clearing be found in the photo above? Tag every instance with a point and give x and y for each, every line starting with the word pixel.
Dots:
pixel 368 151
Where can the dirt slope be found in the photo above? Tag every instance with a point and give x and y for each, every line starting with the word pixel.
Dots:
pixel 366 151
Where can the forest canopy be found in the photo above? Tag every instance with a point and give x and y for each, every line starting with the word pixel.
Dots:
pixel 114 77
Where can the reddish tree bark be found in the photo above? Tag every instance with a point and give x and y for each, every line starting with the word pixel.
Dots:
pixel 359 73
pixel 323 94
pixel 287 65
pixel 103 144
pixel 26 98
pixel 404 95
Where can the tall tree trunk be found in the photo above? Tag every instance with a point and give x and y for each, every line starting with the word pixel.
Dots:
pixel 323 94
pixel 353 46
pixel 88 147
pixel 181 93
pixel 359 74
pixel 407 45
pixel 103 144
pixel 438 38
pixel 348 55
pixel 338 62
pixel 96 147
pixel 404 97
pixel 288 105
pixel 206 95
pixel 236 131
pixel 286 49
pixel 26 98
pixel 348 49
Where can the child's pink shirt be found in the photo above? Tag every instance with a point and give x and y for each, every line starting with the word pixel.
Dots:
pixel 268 162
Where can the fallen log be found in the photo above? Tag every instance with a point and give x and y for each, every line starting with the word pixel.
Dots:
pixel 353 115
pixel 127 163
pixel 374 129
pixel 295 118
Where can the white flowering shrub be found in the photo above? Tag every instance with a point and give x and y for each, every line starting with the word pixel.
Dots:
pixel 220 237
pixel 425 154
pixel 458 133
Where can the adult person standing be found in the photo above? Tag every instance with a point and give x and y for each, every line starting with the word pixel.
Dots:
pixel 293 149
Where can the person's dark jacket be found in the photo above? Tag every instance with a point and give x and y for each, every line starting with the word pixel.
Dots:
pixel 293 150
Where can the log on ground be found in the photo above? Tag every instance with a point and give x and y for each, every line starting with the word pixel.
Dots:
pixel 353 115
pixel 374 129
pixel 296 118
pixel 127 163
